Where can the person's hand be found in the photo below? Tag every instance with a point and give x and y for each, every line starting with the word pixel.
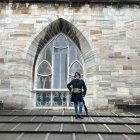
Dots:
pixel 71 90
pixel 83 94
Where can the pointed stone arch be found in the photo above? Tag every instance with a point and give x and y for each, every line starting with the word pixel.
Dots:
pixel 54 28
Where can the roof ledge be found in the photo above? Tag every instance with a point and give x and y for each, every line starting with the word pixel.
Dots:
pixel 75 1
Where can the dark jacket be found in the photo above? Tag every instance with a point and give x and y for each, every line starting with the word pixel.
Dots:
pixel 77 83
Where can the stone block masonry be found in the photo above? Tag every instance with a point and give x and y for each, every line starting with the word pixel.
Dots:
pixel 112 59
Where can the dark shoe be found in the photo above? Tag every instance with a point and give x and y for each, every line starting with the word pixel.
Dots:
pixel 76 117
pixel 80 117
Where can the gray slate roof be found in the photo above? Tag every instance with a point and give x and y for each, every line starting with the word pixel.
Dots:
pixel 62 125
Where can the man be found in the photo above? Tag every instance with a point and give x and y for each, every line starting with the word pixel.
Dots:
pixel 75 87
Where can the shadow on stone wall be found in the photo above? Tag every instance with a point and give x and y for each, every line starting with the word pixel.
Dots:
pixel 15 102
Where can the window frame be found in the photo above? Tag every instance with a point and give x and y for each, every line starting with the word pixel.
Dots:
pixel 52 63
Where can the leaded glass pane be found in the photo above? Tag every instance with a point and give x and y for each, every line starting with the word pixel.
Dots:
pixel 59 99
pixel 64 68
pixel 73 53
pixel 43 81
pixel 47 54
pixel 60 42
pixel 44 68
pixel 60 68
pixel 39 81
pixel 76 67
pixel 70 103
pixel 57 73
pixel 43 99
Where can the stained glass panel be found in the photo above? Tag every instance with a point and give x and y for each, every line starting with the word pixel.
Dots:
pixel 43 81
pixel 59 99
pixel 60 68
pixel 55 61
pixel 44 68
pixel 73 53
pixel 76 67
pixel 47 54
pixel 43 99
pixel 60 42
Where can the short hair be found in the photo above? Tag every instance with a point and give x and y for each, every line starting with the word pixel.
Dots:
pixel 77 73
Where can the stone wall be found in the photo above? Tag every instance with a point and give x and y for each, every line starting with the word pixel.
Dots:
pixel 112 62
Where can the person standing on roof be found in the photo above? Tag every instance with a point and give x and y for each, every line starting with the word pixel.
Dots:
pixel 75 87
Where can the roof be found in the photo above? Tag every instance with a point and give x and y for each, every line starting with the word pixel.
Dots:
pixel 42 124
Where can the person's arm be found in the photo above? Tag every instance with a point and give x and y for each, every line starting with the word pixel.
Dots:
pixel 69 85
pixel 84 88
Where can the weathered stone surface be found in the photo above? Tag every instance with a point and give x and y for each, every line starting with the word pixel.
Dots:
pixel 110 45
pixel 1 60
pixel 20 35
pixel 127 67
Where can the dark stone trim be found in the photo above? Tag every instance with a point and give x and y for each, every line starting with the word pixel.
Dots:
pixel 66 122
pixel 43 115
pixel 75 1
pixel 68 132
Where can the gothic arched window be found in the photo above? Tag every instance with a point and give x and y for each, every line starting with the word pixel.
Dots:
pixel 56 65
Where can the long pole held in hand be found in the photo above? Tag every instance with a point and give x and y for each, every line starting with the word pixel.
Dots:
pixel 85 108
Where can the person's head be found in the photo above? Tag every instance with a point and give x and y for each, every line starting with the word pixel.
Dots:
pixel 77 75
